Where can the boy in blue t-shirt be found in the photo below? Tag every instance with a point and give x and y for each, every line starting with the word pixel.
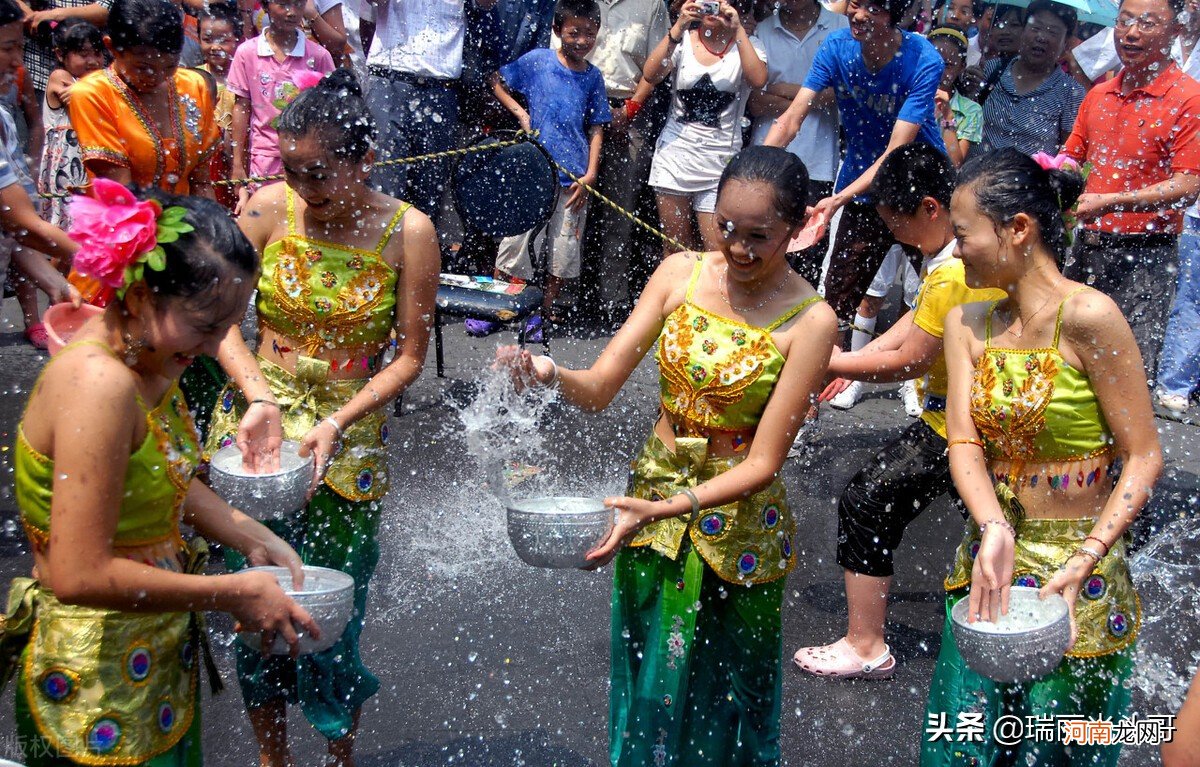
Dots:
pixel 568 106
pixel 885 81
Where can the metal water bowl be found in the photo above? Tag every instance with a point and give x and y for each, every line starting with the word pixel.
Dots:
pixel 1027 643
pixel 327 594
pixel 558 531
pixel 262 496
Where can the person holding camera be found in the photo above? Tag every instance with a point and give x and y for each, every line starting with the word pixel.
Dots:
pixel 714 65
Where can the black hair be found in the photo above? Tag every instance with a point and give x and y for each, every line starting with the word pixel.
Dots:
pixel 10 12
pixel 335 109
pixel 781 169
pixel 584 9
pixel 1067 15
pixel 976 10
pixel 1004 9
pixel 1007 182
pixel 896 9
pixel 203 257
pixel 157 24
pixel 223 11
pixel 75 35
pixel 911 173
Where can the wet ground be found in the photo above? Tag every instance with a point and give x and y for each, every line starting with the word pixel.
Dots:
pixel 485 661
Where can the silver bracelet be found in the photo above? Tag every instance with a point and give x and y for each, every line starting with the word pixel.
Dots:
pixel 337 427
pixel 553 374
pixel 687 492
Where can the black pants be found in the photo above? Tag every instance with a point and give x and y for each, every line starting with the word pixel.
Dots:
pixel 807 262
pixel 1138 272
pixel 859 248
pixel 889 493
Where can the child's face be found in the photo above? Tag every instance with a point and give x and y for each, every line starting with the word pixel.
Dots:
pixel 285 15
pixel 956 62
pixel 959 14
pixel 12 48
pixel 80 62
pixel 144 67
pixel 218 42
pixel 578 35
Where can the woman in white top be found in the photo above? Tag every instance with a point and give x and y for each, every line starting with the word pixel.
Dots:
pixel 714 65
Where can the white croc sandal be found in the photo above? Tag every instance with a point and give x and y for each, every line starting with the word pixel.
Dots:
pixel 839 660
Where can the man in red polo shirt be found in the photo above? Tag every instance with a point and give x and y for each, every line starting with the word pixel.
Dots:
pixel 1141 133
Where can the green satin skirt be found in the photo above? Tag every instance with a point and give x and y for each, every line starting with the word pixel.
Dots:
pixel 329 686
pixel 696 677
pixel 1094 687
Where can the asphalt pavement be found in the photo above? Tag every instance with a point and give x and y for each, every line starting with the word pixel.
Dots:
pixel 486 661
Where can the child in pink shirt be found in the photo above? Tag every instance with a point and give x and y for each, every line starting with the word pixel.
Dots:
pixel 263 80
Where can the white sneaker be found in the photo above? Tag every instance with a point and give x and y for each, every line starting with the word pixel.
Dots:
pixel 912 403
pixel 1176 403
pixel 848 397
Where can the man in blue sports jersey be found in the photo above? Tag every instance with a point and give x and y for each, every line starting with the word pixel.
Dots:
pixel 884 80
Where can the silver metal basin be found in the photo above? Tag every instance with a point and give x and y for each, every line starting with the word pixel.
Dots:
pixel 327 594
pixel 262 496
pixel 558 531
pixel 1026 644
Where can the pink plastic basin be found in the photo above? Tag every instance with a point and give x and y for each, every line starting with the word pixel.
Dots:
pixel 62 321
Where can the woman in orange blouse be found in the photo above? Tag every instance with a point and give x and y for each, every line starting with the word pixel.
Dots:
pixel 144 120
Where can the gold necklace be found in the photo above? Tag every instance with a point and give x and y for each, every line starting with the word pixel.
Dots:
pixel 1025 321
pixel 744 310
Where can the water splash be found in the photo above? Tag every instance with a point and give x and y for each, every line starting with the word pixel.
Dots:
pixel 502 431
pixel 1166 572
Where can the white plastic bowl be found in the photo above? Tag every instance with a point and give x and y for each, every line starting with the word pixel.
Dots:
pixel 1027 643
pixel 327 594
pixel 558 531
pixel 262 496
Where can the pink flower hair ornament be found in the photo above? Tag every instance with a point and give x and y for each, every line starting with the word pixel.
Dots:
pixel 120 235
pixel 1057 162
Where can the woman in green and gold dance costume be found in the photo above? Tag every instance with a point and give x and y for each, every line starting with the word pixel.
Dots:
pixel 1046 392
pixel 109 643
pixel 343 266
pixel 705 539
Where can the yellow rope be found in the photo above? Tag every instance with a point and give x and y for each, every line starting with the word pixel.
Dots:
pixel 381 164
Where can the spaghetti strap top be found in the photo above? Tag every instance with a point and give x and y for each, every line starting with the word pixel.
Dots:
pixel 328 295
pixel 715 373
pixel 1031 407
pixel 156 478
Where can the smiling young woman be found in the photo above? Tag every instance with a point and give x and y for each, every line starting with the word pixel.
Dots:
pixel 344 267
pixel 742 346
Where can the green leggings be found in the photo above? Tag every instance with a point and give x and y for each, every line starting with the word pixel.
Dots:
pixel 330 686
pixel 1089 687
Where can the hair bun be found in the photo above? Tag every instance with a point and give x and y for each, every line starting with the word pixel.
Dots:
pixel 341 79
pixel 1067 185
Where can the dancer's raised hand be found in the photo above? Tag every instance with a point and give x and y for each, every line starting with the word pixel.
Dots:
pixel 526 369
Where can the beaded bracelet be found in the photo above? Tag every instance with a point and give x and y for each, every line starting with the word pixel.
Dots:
pixel 262 401
pixel 1004 523
pixel 1107 548
pixel 1087 552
